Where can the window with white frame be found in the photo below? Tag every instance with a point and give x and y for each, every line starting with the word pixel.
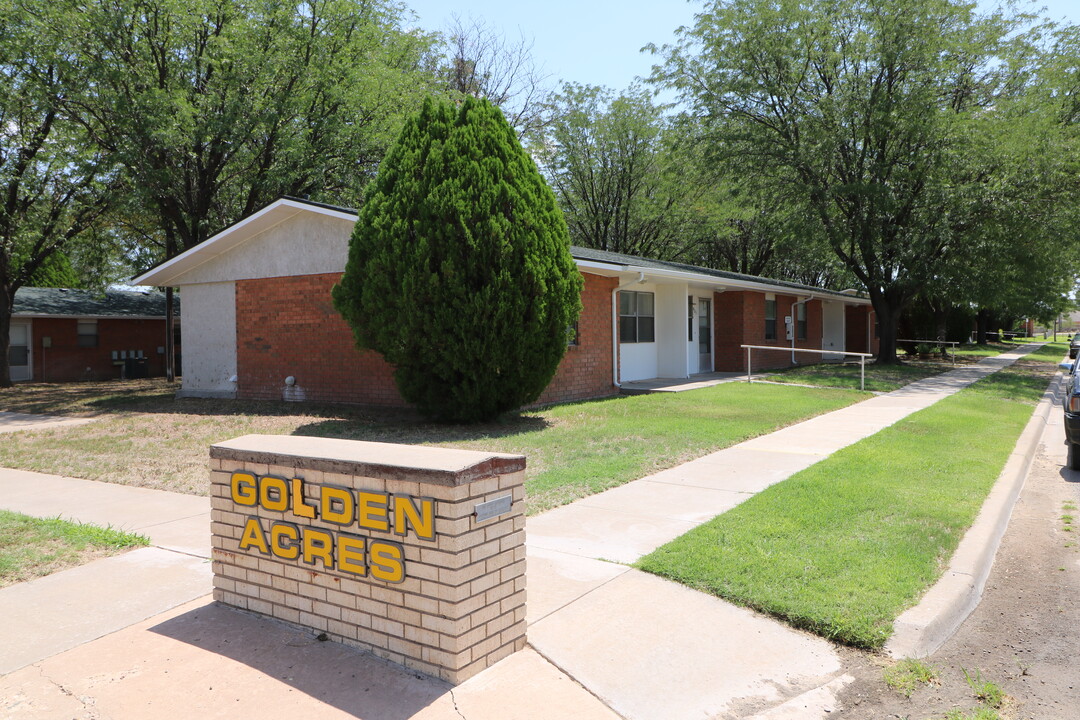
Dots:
pixel 770 317
pixel 800 321
pixel 88 334
pixel 636 317
pixel 690 319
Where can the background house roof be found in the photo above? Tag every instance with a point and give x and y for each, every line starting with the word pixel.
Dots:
pixel 634 262
pixel 64 302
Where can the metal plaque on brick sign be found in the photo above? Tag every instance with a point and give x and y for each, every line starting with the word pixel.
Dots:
pixel 493 508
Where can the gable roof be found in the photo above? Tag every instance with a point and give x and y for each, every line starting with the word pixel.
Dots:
pixel 277 212
pixel 65 302
pixel 286 207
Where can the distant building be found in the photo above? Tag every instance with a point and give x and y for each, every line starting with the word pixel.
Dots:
pixel 63 335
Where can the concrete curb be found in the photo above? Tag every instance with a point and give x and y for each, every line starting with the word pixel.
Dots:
pixel 921 630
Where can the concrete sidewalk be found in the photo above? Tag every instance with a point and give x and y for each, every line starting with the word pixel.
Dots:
pixel 606 641
pixel 14 422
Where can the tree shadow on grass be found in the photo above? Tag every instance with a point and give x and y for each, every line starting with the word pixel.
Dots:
pixel 84 399
pixel 354 422
pixel 420 432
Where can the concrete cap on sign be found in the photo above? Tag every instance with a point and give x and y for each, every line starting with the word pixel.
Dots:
pixel 442 466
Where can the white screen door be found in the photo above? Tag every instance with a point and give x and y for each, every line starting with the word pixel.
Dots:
pixel 19 351
pixel 704 335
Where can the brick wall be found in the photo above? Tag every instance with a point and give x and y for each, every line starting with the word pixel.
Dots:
pixel 585 370
pixel 729 309
pixel 452 601
pixel 740 320
pixel 856 319
pixel 65 361
pixel 288 327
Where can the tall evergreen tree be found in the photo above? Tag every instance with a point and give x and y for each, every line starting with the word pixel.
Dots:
pixel 459 268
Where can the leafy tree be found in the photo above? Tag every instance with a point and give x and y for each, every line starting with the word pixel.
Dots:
pixel 611 163
pixel 459 269
pixel 860 108
pixel 735 225
pixel 53 185
pixel 1017 226
pixel 55 272
pixel 216 107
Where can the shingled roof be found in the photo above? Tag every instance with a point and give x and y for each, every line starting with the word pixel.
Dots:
pixel 114 303
pixel 604 256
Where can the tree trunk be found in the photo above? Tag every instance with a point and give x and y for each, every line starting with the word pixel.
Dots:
pixel 888 317
pixel 170 327
pixel 170 351
pixel 6 303
pixel 981 321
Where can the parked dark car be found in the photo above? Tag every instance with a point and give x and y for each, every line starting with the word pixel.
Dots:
pixel 1071 402
pixel 1074 346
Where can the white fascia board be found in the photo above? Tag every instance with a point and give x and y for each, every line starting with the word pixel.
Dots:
pixel 273 214
pixel 600 268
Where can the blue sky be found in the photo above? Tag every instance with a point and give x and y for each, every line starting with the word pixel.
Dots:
pixel 597 42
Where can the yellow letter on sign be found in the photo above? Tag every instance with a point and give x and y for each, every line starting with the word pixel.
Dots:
pixel 336 505
pixel 253 536
pixel 244 488
pixel 417 513
pixel 387 561
pixel 299 507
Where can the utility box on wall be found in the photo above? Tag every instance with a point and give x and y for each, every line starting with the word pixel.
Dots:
pixel 416 554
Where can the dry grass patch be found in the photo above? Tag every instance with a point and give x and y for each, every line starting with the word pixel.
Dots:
pixel 144 436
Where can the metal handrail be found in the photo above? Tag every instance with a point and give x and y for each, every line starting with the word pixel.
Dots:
pixel 862 358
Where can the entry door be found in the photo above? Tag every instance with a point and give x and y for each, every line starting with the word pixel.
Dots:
pixel 19 351
pixel 704 335
pixel 832 329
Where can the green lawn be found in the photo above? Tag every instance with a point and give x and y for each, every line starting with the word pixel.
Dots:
pixel 843 547
pixel 589 447
pixel 969 352
pixel 33 547
pixel 879 378
pixel 144 436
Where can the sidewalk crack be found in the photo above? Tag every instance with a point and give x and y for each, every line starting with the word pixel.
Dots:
pixel 90 712
pixel 453 698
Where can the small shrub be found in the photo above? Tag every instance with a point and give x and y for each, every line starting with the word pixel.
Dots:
pixel 979 713
pixel 908 673
pixel 984 690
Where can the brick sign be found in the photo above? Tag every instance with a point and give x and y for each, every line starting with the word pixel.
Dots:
pixel 416 554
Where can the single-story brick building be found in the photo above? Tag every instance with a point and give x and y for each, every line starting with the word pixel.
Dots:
pixel 257 311
pixel 64 335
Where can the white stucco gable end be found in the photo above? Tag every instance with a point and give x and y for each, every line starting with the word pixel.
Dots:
pixel 288 237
